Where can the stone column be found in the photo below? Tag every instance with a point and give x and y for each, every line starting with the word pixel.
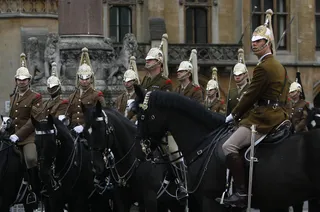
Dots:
pixel 80 17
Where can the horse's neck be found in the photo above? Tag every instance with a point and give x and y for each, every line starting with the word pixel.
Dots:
pixel 187 133
pixel 64 153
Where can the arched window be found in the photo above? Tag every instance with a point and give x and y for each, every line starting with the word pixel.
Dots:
pixel 196 25
pixel 280 19
pixel 120 22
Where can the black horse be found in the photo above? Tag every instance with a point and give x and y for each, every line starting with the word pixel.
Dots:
pixel 285 174
pixel 12 171
pixel 135 179
pixel 313 119
pixel 65 168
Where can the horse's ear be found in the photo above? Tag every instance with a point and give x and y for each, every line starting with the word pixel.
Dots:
pixel 83 108
pixel 50 120
pixel 98 106
pixel 139 93
pixel 34 121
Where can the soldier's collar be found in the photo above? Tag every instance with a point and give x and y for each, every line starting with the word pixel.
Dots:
pixel 21 94
pixel 263 56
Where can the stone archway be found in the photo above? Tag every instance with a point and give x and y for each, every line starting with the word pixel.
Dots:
pixel 316 94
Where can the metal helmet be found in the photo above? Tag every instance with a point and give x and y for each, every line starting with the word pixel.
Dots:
pixel 130 75
pixel 212 84
pixel 295 87
pixel 185 66
pixel 85 69
pixel 240 67
pixel 53 80
pixel 155 54
pixel 265 31
pixel 22 72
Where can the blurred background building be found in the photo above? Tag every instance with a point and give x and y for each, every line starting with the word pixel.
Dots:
pixel 216 28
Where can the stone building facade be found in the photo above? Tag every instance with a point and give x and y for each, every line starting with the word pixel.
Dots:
pixel 213 27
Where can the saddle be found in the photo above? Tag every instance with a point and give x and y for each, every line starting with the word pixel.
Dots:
pixel 279 133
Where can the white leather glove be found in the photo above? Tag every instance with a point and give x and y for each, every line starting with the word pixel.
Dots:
pixel 229 118
pixel 130 104
pixel 61 117
pixel 14 138
pixel 78 129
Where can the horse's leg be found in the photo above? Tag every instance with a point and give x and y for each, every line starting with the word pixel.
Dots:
pixel 79 203
pixel 275 210
pixel 150 201
pixel 209 204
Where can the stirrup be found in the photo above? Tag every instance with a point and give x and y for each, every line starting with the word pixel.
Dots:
pixel 182 193
pixel 31 198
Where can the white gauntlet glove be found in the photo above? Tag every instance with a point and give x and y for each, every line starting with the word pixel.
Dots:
pixel 78 129
pixel 14 138
pixel 229 118
pixel 61 117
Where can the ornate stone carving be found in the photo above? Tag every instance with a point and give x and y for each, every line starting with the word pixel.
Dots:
pixel 52 54
pixel 35 59
pixel 29 6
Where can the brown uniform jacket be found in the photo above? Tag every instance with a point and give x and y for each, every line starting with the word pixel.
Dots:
pixel 216 105
pixel 21 110
pixel 89 98
pixel 192 91
pixel 55 107
pixel 298 113
pixel 268 82
pixel 121 104
pixel 234 97
pixel 159 82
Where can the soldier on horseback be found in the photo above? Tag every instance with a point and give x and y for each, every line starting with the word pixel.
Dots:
pixel 241 77
pixel 187 75
pixel 157 73
pixel 123 101
pixel 213 101
pixel 263 105
pixel 85 93
pixel 24 104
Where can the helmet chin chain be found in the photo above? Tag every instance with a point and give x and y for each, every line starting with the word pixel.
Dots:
pixel 152 66
pixel 182 77
pixel 260 48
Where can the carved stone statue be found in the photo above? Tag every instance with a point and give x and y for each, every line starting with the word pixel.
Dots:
pixel 51 54
pixel 35 64
pixel 120 64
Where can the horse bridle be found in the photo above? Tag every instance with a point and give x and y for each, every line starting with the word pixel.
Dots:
pixel 55 178
pixel 109 158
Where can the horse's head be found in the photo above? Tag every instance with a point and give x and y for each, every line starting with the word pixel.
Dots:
pixel 47 147
pixel 151 120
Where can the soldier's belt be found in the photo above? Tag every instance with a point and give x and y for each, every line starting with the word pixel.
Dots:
pixel 271 103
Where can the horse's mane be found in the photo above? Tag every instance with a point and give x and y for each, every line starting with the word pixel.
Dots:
pixel 128 124
pixel 63 131
pixel 190 107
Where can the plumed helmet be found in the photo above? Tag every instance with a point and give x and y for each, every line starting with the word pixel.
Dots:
pixel 212 84
pixel 85 70
pixel 53 80
pixel 240 67
pixel 22 72
pixel 295 87
pixel 130 75
pixel 155 54
pixel 262 32
pixel 185 66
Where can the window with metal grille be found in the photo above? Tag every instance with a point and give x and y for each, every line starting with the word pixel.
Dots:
pixel 279 19
pixel 120 22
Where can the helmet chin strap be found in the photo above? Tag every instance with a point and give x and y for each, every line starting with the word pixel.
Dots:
pixel 152 66
pixel 260 48
pixel 182 77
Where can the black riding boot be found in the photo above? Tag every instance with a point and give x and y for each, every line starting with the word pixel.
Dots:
pixel 179 173
pixel 32 182
pixel 240 197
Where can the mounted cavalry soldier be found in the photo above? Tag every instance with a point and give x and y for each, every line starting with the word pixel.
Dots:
pixel 213 101
pixel 297 109
pixel 123 101
pixel 263 106
pixel 241 78
pixel 55 106
pixel 84 93
pixel 157 69
pixel 187 75
pixel 24 104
